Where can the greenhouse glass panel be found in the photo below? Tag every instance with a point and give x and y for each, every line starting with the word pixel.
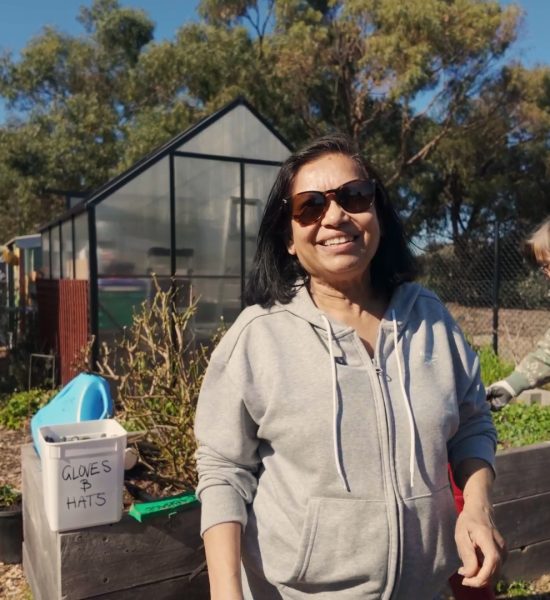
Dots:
pixel 81 247
pixel 119 298
pixel 239 134
pixel 218 298
pixel 258 183
pixel 208 232
pixel 46 254
pixel 55 253
pixel 133 226
pixel 67 249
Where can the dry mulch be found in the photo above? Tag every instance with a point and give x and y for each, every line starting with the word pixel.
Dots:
pixel 13 585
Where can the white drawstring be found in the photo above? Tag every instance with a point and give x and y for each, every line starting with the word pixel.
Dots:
pixel 412 452
pixel 334 404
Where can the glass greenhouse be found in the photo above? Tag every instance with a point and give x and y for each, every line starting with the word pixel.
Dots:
pixel 190 211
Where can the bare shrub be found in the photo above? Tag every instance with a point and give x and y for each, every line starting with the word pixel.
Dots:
pixel 158 368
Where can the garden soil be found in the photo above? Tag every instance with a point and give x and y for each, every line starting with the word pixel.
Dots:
pixel 13 585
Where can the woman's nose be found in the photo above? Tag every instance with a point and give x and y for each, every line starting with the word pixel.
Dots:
pixel 334 214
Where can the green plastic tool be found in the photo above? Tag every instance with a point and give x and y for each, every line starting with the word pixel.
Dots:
pixel 166 506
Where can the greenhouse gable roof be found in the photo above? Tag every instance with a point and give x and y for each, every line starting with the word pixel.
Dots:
pixel 201 139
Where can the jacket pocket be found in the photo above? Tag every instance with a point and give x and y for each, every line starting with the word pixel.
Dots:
pixel 343 540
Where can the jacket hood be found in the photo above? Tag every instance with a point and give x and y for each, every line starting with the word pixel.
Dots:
pixel 399 308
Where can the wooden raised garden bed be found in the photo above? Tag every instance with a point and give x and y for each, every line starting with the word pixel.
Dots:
pixel 161 558
pixel 522 510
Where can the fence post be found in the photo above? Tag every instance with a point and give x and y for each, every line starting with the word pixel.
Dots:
pixel 496 285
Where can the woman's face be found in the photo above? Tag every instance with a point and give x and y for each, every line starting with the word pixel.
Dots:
pixel 340 246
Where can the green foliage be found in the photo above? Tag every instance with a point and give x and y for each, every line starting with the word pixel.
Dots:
pixel 9 497
pixel 71 105
pixel 515 589
pixel 521 425
pixel 493 368
pixel 17 408
pixel 158 369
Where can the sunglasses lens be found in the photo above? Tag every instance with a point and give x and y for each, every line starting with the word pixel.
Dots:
pixel 353 197
pixel 308 207
pixel 356 196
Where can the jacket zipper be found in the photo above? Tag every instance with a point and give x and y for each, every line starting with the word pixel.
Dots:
pixel 374 372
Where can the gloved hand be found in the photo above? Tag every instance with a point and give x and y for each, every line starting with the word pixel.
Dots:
pixel 499 394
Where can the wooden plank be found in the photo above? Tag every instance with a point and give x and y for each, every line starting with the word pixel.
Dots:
pixel 522 472
pixel 32 580
pixel 524 521
pixel 129 553
pixel 41 545
pixel 178 588
pixel 530 563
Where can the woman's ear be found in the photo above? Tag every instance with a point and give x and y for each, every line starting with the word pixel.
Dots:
pixel 290 247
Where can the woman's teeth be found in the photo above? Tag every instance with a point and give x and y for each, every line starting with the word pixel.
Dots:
pixel 339 240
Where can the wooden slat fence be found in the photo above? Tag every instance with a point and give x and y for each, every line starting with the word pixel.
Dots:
pixel 63 321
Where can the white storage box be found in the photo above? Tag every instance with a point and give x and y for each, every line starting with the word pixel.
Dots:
pixel 82 473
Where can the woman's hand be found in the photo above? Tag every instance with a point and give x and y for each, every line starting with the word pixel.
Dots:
pixel 480 546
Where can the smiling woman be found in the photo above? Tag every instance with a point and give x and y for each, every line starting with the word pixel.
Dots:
pixel 332 407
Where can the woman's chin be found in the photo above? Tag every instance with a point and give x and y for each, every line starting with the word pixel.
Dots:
pixel 343 270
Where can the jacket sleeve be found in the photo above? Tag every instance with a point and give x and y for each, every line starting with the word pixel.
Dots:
pixel 534 369
pixel 476 435
pixel 227 458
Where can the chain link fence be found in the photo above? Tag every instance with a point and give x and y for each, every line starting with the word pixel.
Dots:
pixel 496 297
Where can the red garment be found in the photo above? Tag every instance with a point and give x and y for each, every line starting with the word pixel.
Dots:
pixel 462 592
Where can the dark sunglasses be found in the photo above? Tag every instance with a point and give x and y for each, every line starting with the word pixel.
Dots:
pixel 355 196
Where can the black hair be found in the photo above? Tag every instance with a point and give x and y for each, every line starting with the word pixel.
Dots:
pixel 276 274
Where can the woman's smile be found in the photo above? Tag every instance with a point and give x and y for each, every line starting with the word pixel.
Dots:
pixel 342 240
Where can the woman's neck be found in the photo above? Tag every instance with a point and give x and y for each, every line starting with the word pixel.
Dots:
pixel 347 300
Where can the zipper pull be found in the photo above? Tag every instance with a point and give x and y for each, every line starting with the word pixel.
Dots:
pixel 376 367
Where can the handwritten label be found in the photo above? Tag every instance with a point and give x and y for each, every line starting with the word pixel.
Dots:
pixel 85 483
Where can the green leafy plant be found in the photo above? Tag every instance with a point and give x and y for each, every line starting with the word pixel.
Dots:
pixel 521 425
pixel 17 408
pixel 9 497
pixel 158 368
pixel 514 589
pixel 493 368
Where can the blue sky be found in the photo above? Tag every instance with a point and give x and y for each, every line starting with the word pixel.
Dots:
pixel 22 19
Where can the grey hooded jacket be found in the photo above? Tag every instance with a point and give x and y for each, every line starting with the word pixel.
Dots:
pixel 336 464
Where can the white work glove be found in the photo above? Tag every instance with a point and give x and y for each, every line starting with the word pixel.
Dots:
pixel 499 394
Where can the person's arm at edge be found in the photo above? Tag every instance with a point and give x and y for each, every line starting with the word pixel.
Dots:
pixel 222 544
pixel 480 545
pixel 534 369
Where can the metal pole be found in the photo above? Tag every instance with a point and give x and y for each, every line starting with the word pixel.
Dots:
pixel 173 241
pixel 496 285
pixel 93 291
pixel 243 234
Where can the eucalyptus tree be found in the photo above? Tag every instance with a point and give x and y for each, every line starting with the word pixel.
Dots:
pixel 67 97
